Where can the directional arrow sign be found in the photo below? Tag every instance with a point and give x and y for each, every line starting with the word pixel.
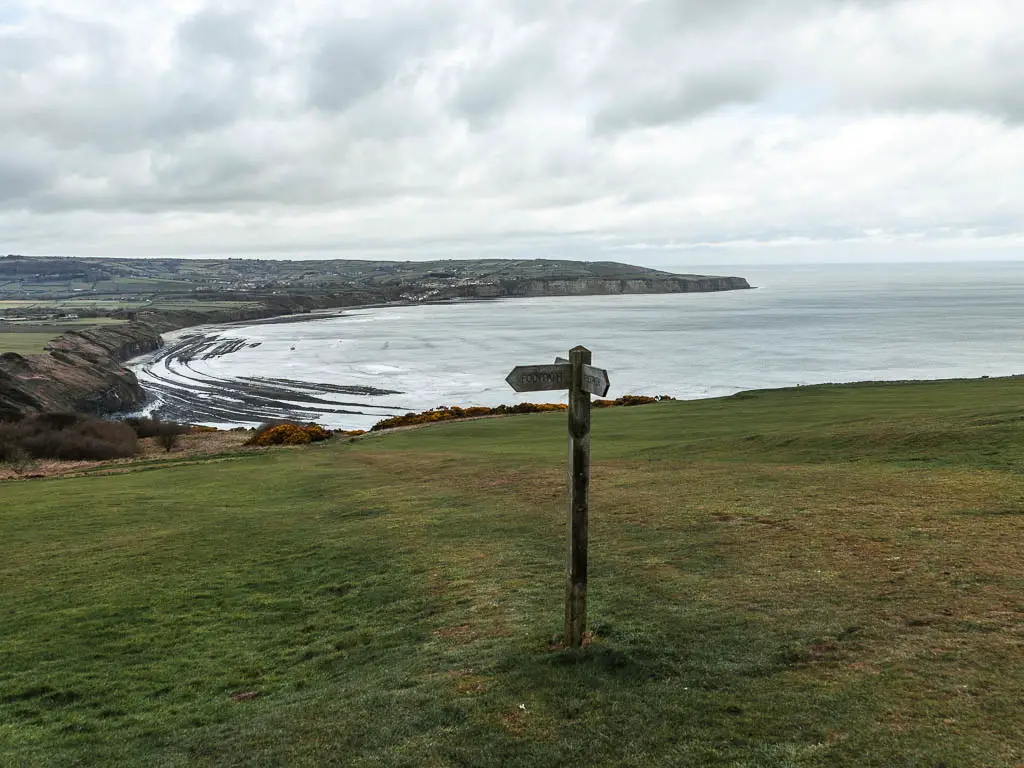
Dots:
pixel 595 380
pixel 582 380
pixel 534 378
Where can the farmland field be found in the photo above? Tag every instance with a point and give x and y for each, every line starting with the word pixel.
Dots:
pixel 25 343
pixel 30 337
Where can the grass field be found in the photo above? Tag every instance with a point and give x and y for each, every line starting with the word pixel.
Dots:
pixel 198 304
pixel 31 338
pixel 69 305
pixel 26 343
pixel 828 576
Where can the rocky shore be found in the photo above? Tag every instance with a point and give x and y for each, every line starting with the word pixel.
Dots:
pixel 244 399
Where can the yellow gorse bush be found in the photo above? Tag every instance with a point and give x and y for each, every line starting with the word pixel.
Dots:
pixel 451 413
pixel 291 434
pixel 296 434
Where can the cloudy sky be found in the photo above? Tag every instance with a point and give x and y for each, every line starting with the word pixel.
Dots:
pixel 628 129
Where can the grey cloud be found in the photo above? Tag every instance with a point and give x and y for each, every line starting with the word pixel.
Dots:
pixel 991 85
pixel 22 53
pixel 690 96
pixel 1003 100
pixel 114 102
pixel 22 178
pixel 221 33
pixel 358 57
pixel 445 121
pixel 486 92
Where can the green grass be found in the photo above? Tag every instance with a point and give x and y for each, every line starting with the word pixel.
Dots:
pixel 823 576
pixel 69 305
pixel 198 304
pixel 26 343
pixel 32 338
pixel 89 321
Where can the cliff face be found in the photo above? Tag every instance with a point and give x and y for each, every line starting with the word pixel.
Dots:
pixel 593 286
pixel 81 371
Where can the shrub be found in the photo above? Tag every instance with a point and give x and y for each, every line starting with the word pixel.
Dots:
pixel 15 456
pixel 454 412
pixel 155 427
pixel 284 434
pixel 630 400
pixel 66 436
pixel 288 434
pixel 316 433
pixel 168 440
pixel 262 429
pixel 451 413
pixel 21 461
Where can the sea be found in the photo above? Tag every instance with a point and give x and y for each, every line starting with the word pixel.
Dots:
pixel 800 324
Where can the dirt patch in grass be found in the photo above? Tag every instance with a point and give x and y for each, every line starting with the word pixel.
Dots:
pixel 201 443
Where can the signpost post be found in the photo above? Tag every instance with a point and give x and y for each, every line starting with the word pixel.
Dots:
pixel 582 380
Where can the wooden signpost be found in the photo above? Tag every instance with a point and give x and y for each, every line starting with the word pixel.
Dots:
pixel 582 380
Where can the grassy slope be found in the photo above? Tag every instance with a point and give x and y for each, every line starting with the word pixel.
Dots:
pixel 823 576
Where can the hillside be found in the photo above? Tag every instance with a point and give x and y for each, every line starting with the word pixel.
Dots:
pixel 158 284
pixel 822 576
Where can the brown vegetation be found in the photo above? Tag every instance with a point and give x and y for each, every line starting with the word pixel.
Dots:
pixel 630 400
pixel 155 427
pixel 72 440
pixel 65 436
pixel 454 412
pixel 451 413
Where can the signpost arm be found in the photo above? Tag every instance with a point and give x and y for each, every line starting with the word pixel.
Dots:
pixel 579 483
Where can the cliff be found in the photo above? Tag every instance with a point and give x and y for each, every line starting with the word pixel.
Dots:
pixel 591 286
pixel 80 371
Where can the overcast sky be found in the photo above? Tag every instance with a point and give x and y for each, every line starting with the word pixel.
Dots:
pixel 638 130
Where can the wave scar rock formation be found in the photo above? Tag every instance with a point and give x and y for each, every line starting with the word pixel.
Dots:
pixel 183 392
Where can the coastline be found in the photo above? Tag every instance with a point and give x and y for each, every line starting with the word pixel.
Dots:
pixel 828 326
pixel 84 371
pixel 255 399
pixel 250 399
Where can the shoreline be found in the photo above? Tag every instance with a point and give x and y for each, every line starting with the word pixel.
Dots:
pixel 261 398
pixel 251 400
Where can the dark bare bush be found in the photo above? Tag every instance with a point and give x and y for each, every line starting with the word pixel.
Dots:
pixel 168 440
pixel 68 437
pixel 20 461
pixel 57 420
pixel 155 427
